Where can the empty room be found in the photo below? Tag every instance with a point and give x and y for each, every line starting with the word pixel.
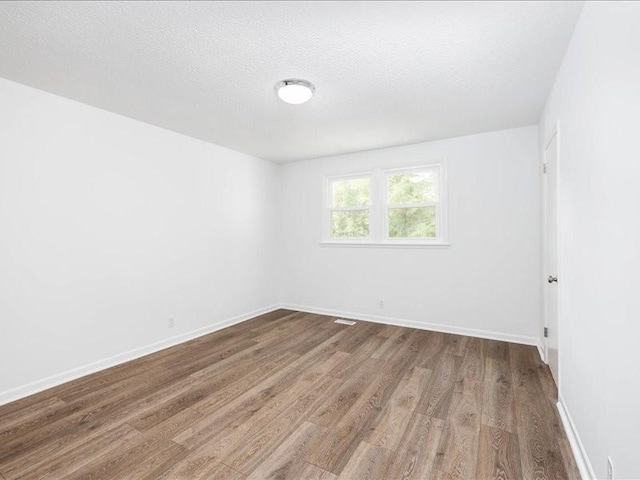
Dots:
pixel 319 240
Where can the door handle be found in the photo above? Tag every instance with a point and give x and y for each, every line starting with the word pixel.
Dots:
pixel 552 279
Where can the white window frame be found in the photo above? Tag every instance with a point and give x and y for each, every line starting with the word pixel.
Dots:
pixel 329 209
pixel 379 206
pixel 439 238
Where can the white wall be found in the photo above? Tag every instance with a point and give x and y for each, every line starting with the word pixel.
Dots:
pixel 109 226
pixel 488 280
pixel 596 99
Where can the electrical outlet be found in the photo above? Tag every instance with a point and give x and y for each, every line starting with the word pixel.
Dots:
pixel 171 322
pixel 609 468
pixel 381 304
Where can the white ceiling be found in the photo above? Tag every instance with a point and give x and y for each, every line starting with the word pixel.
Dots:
pixel 386 73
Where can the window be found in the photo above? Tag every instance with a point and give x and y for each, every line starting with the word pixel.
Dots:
pixel 387 207
pixel 350 206
pixel 412 203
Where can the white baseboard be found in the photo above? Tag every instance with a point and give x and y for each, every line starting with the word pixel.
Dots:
pixel 59 378
pixel 543 357
pixel 69 375
pixel 582 460
pixel 436 327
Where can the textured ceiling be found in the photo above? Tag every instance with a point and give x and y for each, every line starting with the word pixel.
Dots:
pixel 386 73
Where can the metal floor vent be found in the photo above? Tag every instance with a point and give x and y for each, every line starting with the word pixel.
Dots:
pixel 344 322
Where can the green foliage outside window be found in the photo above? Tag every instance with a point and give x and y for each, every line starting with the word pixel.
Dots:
pixel 350 224
pixel 412 188
pixel 352 192
pixel 419 222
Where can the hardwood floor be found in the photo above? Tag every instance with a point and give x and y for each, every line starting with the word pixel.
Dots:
pixel 294 395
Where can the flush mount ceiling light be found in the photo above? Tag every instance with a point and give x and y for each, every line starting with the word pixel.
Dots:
pixel 295 91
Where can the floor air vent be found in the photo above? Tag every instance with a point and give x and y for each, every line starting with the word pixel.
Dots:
pixel 344 322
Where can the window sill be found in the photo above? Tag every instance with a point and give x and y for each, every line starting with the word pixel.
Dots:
pixel 385 245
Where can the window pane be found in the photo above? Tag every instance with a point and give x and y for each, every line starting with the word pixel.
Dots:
pixel 413 187
pixel 350 224
pixel 412 222
pixel 351 192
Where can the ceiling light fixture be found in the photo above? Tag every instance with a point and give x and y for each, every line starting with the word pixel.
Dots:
pixel 295 91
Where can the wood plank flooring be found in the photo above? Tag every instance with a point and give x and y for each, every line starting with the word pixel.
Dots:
pixel 290 395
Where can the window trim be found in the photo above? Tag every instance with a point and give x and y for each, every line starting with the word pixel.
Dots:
pixel 378 210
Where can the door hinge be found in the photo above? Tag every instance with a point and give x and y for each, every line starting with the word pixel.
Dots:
pixel 544 168
pixel 546 332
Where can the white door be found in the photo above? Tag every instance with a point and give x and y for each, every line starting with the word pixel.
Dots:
pixel 551 254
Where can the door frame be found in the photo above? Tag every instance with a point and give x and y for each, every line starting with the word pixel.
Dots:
pixel 554 132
